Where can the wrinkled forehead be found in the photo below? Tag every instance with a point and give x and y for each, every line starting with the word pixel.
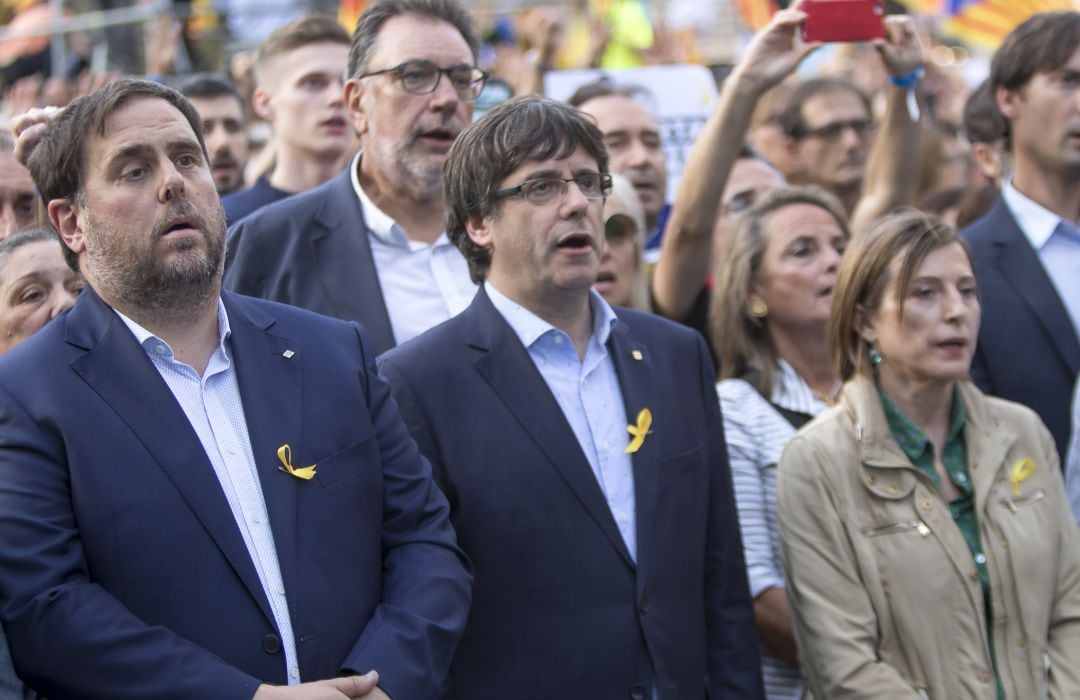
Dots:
pixel 13 175
pixel 620 113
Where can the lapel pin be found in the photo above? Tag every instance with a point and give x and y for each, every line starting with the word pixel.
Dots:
pixel 1022 470
pixel 288 354
pixel 636 354
pixel 284 453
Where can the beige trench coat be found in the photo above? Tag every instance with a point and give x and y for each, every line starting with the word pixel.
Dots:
pixel 885 599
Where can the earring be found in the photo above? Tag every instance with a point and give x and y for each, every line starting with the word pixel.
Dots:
pixel 759 308
pixel 875 356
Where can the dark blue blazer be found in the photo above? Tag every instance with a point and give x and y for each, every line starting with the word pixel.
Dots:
pixel 312 250
pixel 122 571
pixel 1028 349
pixel 560 610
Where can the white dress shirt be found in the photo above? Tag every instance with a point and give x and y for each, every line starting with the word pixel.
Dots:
pixel 423 284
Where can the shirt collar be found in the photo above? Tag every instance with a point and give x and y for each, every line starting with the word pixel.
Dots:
pixel 1036 221
pixel 148 340
pixel 529 327
pixel 912 440
pixel 379 223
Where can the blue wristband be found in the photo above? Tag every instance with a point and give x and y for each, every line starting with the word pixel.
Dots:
pixel 908 81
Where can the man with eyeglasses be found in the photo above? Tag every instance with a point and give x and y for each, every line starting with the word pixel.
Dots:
pixel 369 246
pixel 580 447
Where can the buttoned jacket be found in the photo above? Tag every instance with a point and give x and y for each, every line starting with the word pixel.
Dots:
pixel 884 594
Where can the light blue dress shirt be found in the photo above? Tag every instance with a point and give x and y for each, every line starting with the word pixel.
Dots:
pixel 213 406
pixel 1057 243
pixel 587 390
pixel 1072 458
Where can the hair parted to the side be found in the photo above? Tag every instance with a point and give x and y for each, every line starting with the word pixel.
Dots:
pixel 57 163
pixel 902 241
pixel 527 128
pixel 298 33
pixel 377 13
pixel 741 339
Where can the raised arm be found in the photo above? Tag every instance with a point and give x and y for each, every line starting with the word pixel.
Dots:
pixel 686 250
pixel 892 169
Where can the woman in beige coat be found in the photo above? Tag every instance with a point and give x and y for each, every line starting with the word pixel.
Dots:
pixel 927 544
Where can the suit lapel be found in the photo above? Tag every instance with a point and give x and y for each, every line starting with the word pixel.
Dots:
pixel 1022 270
pixel 512 375
pixel 269 371
pixel 344 263
pixel 633 365
pixel 117 368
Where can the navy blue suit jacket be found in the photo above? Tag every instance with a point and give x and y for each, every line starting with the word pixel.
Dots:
pixel 312 250
pixel 1028 350
pixel 559 607
pixel 122 571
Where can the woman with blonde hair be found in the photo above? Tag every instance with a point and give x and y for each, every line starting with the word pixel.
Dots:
pixel 927 544
pixel 622 278
pixel 770 314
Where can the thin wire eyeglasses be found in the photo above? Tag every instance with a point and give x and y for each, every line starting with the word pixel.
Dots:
pixel 542 190
pixel 422 78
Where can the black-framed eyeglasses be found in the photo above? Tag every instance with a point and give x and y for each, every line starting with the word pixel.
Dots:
pixel 422 78
pixel 542 190
pixel 833 130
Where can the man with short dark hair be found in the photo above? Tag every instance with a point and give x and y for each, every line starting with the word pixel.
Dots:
pixel 1027 248
pixel 298 79
pixel 369 245
pixel 581 450
pixel 203 495
pixel 223 125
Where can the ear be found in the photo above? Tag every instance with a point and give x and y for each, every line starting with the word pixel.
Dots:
pixel 261 103
pixel 864 325
pixel 479 231
pixel 354 94
pixel 64 216
pixel 1008 102
pixel 988 161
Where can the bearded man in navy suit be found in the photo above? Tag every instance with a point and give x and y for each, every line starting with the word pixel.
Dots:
pixel 203 495
pixel 580 447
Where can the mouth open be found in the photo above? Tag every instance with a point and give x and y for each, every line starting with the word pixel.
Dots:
pixel 334 124
pixel 575 241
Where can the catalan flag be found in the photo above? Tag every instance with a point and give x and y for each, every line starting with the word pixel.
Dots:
pixel 349 12
pixel 985 23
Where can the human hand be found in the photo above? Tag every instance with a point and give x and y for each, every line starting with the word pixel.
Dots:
pixel 29 127
pixel 900 50
pixel 775 52
pixel 351 687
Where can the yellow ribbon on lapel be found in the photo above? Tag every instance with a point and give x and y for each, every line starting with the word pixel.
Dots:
pixel 1020 471
pixel 639 431
pixel 284 453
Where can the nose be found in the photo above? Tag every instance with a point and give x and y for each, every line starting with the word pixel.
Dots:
pixel 9 220
pixel 172 183
pixel 62 300
pixel 574 202
pixel 337 93
pixel 445 97
pixel 638 155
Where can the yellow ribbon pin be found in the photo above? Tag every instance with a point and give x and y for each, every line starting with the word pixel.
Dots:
pixel 284 453
pixel 639 431
pixel 1020 471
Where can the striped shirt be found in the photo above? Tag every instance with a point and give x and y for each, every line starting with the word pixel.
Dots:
pixel 756 434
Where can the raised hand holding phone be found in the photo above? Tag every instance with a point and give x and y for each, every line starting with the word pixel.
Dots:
pixel 843 20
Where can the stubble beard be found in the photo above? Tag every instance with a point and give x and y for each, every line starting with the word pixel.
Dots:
pixel 138 281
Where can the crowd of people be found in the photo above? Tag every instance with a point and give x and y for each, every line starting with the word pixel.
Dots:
pixel 402 401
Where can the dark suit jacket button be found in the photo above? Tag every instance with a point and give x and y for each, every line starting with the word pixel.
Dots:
pixel 637 692
pixel 643 605
pixel 271 644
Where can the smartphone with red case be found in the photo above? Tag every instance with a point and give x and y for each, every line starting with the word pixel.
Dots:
pixel 843 20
